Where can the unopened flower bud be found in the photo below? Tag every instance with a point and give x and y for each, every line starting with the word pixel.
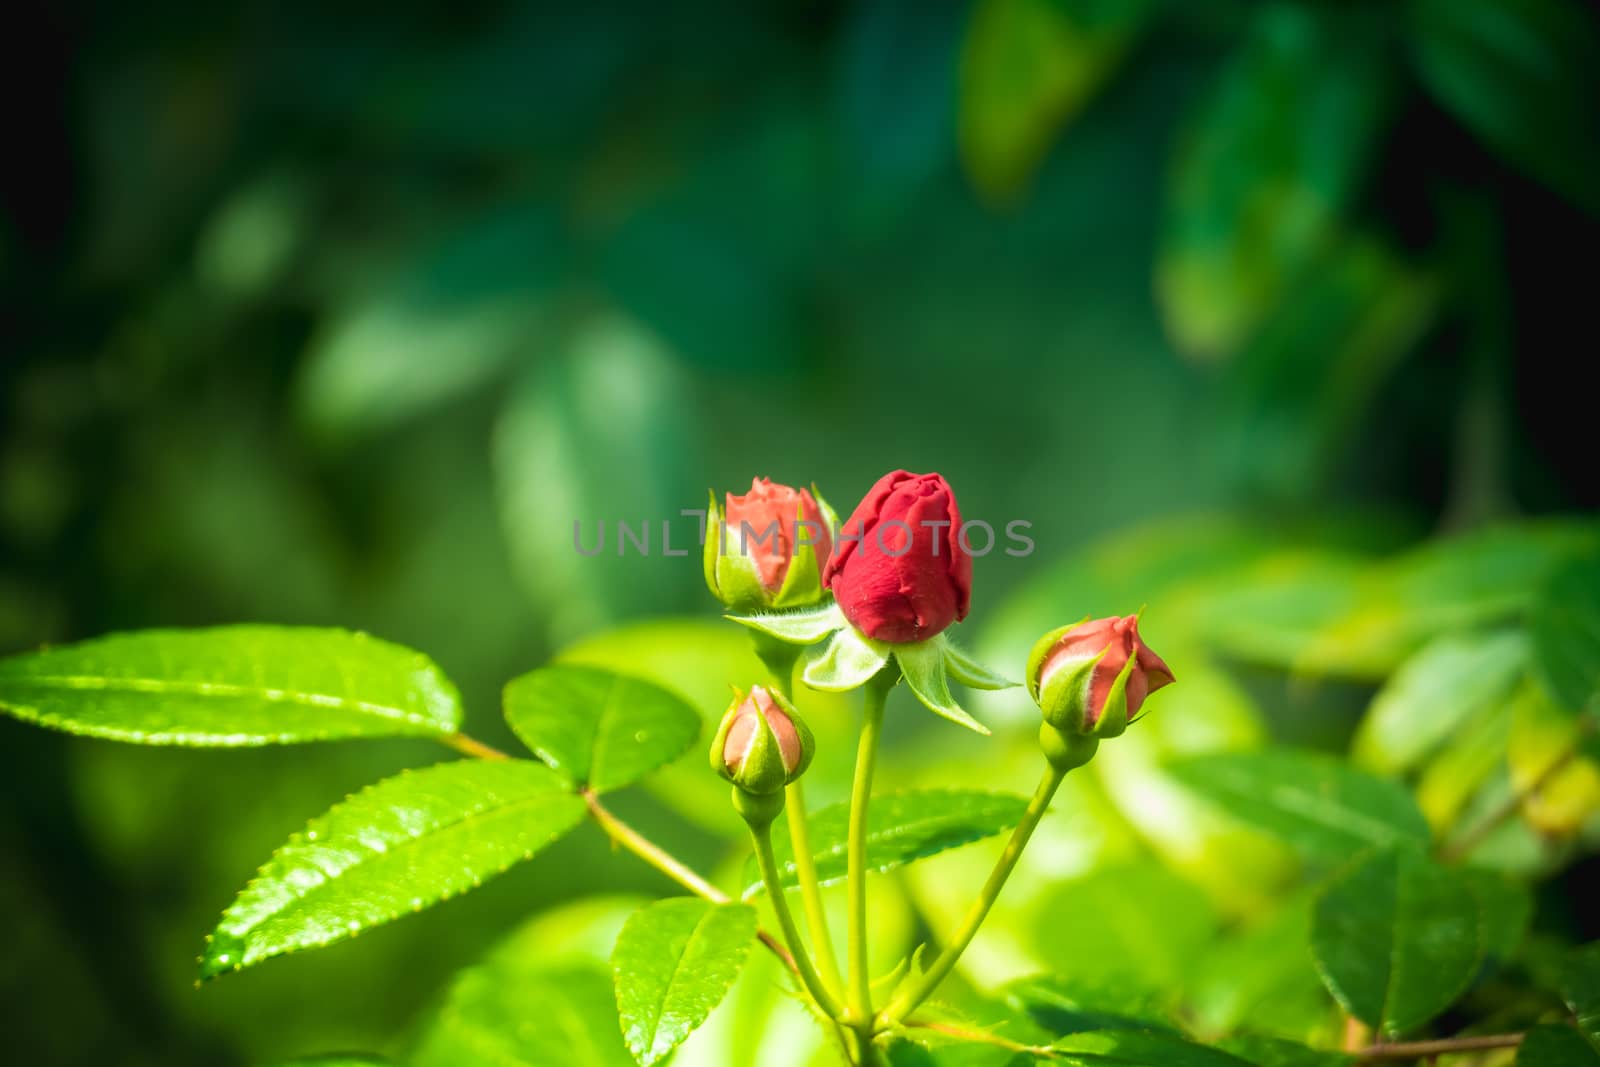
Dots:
pixel 766 549
pixel 1093 677
pixel 762 744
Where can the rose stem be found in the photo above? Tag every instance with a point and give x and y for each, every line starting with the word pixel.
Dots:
pixel 913 995
pixel 779 658
pixel 814 984
pixel 876 693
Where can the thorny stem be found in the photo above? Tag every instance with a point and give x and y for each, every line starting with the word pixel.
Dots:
pixel 919 990
pixel 762 837
pixel 876 695
pixel 1472 838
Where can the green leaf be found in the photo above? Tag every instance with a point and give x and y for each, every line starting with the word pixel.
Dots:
pixel 1522 75
pixel 1141 1048
pixel 1276 156
pixel 1063 1005
pixel 1556 1045
pixel 1506 907
pixel 1580 988
pixel 674 962
pixel 396 847
pixel 1397 939
pixel 1565 623
pixel 901 828
pixel 231 686
pixel 516 1017
pixel 341 1060
pixel 1317 804
pixel 1260 976
pixel 1276 1052
pixel 1027 67
pixel 923 666
pixel 599 729
pixel 1434 693
pixel 1137 925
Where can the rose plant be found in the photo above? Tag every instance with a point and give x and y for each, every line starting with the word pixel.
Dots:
pixel 1399 931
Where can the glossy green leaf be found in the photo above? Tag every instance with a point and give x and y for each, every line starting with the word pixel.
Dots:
pixel 674 962
pixel 599 729
pixel 394 848
pixel 1434 692
pixel 1397 939
pixel 901 828
pixel 562 1016
pixel 1556 1045
pixel 1565 622
pixel 1027 67
pixel 1524 75
pixel 1140 1048
pixel 1317 804
pixel 1580 988
pixel 1276 155
pixel 231 686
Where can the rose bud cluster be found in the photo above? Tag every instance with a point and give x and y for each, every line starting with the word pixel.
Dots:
pixel 766 549
pixel 899 573
pixel 1092 678
pixel 762 744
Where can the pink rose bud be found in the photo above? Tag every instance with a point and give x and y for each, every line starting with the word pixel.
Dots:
pixel 762 744
pixel 1093 677
pixel 898 571
pixel 766 549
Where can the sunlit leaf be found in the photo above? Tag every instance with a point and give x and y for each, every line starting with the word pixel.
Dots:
pixel 674 962
pixel 1434 692
pixel 562 1016
pixel 1397 939
pixel 1063 1005
pixel 231 686
pixel 1565 622
pixel 1260 976
pixel 599 729
pixel 399 846
pixel 1316 803
pixel 1276 1052
pixel 1552 756
pixel 1141 1048
pixel 901 828
pixel 1137 925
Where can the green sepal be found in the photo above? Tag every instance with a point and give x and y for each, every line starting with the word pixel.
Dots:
pixel 739 582
pixel 848 661
pixel 1114 716
pixel 802 583
pixel 829 516
pixel 763 771
pixel 968 671
pixel 1041 649
pixel 720 741
pixel 923 664
pixel 805 627
pixel 713 543
pixel 1064 701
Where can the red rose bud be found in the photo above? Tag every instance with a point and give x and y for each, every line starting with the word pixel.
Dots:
pixel 1093 677
pixel 765 549
pixel 762 745
pixel 898 571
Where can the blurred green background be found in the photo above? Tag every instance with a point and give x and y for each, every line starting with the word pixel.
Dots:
pixel 343 315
